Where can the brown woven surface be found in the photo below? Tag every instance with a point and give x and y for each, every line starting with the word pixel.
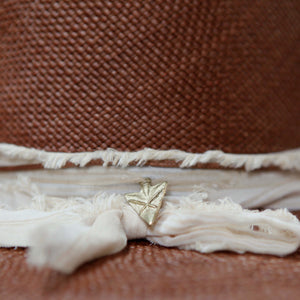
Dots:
pixel 190 75
pixel 145 271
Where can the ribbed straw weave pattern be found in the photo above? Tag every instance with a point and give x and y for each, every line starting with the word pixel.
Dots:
pixel 188 75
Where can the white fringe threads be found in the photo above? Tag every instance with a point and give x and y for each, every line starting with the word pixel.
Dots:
pixel 12 154
pixel 63 233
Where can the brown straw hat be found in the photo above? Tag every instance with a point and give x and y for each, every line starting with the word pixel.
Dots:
pixel 198 101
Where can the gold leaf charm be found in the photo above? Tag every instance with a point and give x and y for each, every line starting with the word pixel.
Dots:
pixel 148 201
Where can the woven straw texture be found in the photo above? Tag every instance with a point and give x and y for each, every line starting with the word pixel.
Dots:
pixel 190 75
pixel 145 271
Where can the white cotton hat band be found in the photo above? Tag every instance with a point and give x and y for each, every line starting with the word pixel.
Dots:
pixel 259 189
pixel 70 216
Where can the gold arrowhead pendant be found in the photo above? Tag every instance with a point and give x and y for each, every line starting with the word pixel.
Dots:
pixel 148 201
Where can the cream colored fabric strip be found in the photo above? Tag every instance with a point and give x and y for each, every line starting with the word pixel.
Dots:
pixel 64 233
pixel 70 216
pixel 17 155
pixel 268 189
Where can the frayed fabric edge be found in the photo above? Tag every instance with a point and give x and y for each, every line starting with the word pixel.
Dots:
pixel 18 155
pixel 63 233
